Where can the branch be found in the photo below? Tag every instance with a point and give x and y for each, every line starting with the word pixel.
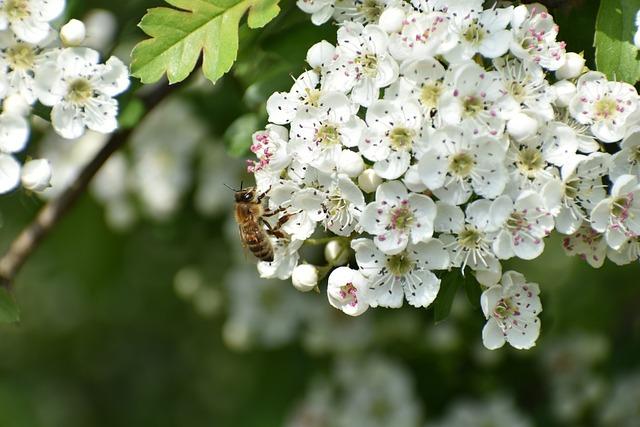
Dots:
pixel 31 237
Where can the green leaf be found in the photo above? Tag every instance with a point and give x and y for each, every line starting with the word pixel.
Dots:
pixel 180 35
pixel 616 56
pixel 472 289
pixel 238 135
pixel 9 312
pixel 444 300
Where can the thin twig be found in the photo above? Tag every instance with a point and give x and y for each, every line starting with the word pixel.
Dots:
pixel 31 237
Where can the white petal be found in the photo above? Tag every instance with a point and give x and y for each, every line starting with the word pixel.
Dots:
pixel 492 336
pixel 422 288
pixel 67 121
pixel 14 133
pixel 9 173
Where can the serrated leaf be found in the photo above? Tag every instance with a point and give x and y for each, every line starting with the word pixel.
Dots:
pixel 472 289
pixel 616 56
pixel 195 27
pixel 9 312
pixel 444 300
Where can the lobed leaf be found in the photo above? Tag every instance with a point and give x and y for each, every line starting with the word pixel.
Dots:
pixel 179 36
pixel 616 55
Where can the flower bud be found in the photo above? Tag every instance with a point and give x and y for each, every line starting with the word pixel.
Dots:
pixel 101 28
pixel 73 33
pixel 572 67
pixel 36 175
pixel 391 19
pixel 344 291
pixel 368 181
pixel 521 126
pixel 336 253
pixel 15 104
pixel 304 277
pixel 350 163
pixel 565 91
pixel 320 54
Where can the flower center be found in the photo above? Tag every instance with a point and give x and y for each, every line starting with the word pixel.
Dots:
pixel 429 94
pixel 634 155
pixel 517 90
pixel 402 217
pixel 472 105
pixel 313 97
pixel 399 264
pixel 504 309
pixel 469 238
pixel 369 64
pixel 401 138
pixel 328 134
pixel 371 10
pixel 620 207
pixel 80 91
pixel 348 292
pixel 21 56
pixel 571 189
pixel 517 221
pixel 17 9
pixel 461 164
pixel 530 161
pixel 605 108
pixel 474 34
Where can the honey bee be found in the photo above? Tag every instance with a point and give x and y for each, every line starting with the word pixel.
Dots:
pixel 254 229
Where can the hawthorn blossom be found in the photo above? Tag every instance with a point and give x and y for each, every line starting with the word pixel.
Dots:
pixel 29 19
pixel 345 289
pixel 270 147
pixel 511 309
pixel 282 107
pixel 603 105
pixel 420 80
pixel 422 35
pixel 404 275
pixel 320 10
pixel 81 91
pixel 392 136
pixel 459 163
pixel 588 244
pixel 627 160
pixel 523 224
pixel 618 216
pixel 397 218
pixel 362 64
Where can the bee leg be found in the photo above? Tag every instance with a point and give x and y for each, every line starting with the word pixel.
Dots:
pixel 268 212
pixel 261 196
pixel 274 232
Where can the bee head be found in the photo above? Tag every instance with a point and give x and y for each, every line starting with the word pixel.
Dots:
pixel 246 195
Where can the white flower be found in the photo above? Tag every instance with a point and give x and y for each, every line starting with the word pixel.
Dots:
pixel 420 80
pixel 459 163
pixel 477 96
pixel 627 253
pixel 478 32
pixel 362 64
pixel 19 59
pixel 270 147
pixel 320 10
pixel 285 259
pixel 618 216
pixel 36 175
pixel 391 137
pixel 301 223
pixel 344 291
pixel 579 191
pixel 318 136
pixel 534 37
pixel 350 163
pixel 9 173
pixel 588 244
pixel 627 160
pixel 522 225
pixel 392 278
pixel 304 277
pixel 337 203
pixel 29 19
pixel 468 238
pixel 422 36
pixel 572 68
pixel 525 83
pixel 81 91
pixel 397 218
pixel 603 105
pixel 283 106
pixel 511 309
pixel 361 11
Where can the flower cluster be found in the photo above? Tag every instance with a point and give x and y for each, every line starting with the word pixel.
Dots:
pixel 440 135
pixel 38 64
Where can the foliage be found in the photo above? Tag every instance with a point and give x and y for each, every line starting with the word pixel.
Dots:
pixel 616 56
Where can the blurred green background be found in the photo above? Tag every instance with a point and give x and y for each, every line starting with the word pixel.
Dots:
pixel 164 323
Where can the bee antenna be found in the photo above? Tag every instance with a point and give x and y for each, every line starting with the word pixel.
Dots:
pixel 231 188
pixel 241 182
